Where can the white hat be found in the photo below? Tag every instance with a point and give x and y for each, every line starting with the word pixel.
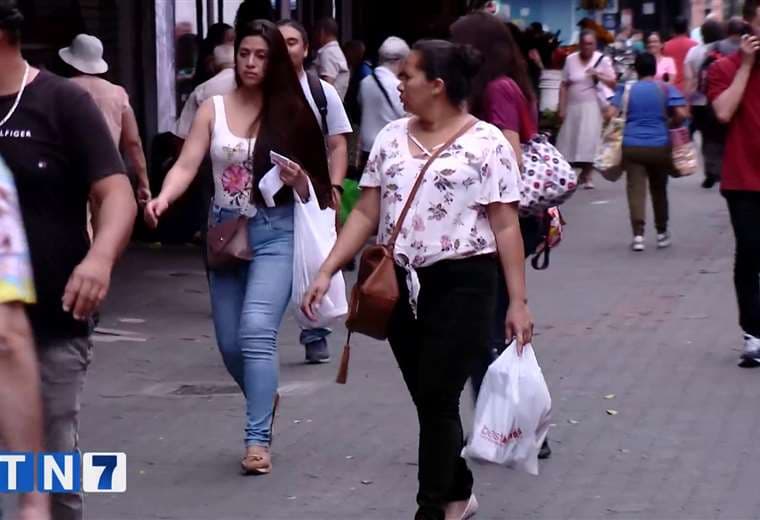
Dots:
pixel 85 54
pixel 393 49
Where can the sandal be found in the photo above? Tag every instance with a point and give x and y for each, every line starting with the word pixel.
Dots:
pixel 257 461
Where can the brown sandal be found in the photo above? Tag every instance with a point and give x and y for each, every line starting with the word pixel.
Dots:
pixel 257 461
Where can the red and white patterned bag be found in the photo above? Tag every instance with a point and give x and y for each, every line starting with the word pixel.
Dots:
pixel 548 180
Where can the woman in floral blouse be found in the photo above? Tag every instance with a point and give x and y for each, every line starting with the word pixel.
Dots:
pixel 446 255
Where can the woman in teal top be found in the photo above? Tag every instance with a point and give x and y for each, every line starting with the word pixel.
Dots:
pixel 646 146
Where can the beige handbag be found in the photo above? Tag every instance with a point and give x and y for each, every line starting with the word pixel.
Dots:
pixel 609 157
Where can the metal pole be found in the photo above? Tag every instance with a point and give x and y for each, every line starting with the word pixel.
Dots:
pixel 284 9
pixel 209 14
pixel 199 16
pixel 220 11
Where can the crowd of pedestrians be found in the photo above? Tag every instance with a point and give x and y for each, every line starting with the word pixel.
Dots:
pixel 460 111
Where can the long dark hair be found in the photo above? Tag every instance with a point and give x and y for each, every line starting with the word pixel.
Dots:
pixel 287 124
pixel 501 55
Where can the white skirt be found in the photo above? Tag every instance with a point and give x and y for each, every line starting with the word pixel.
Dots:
pixel 581 133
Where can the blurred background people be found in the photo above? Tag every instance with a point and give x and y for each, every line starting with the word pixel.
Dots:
pixel 331 63
pixel 666 66
pixel 698 60
pixel 677 48
pixel 587 81
pixel 647 154
pixel 379 96
pixel 205 68
pixel 85 56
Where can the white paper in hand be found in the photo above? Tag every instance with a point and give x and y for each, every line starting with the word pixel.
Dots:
pixel 269 185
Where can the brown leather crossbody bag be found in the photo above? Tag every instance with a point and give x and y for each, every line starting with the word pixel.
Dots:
pixel 227 244
pixel 376 293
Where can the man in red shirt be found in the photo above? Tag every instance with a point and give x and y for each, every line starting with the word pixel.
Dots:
pixel 678 47
pixel 734 90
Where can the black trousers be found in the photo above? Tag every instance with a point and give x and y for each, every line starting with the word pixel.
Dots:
pixel 435 353
pixel 531 230
pixel 713 139
pixel 744 207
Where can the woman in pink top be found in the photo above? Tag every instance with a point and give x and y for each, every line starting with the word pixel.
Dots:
pixel 85 56
pixel 587 82
pixel 666 66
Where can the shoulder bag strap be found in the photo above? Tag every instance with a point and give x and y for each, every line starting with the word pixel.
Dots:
pixel 320 99
pixel 665 91
pixel 382 89
pixel 420 177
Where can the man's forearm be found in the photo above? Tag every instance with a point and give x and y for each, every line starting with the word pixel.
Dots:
pixel 727 103
pixel 116 212
pixel 137 159
pixel 338 159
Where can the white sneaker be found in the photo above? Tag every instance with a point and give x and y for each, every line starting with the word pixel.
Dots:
pixel 638 244
pixel 664 240
pixel 751 354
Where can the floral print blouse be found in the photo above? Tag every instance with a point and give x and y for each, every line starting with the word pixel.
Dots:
pixel 448 218
pixel 16 283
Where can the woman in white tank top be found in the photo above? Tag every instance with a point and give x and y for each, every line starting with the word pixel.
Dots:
pixel 267 112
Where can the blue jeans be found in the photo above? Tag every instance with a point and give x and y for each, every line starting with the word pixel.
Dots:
pixel 248 304
pixel 311 335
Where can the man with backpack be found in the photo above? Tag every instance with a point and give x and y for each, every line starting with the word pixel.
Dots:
pixel 331 115
pixel 734 89
pixel 697 63
pixel 379 97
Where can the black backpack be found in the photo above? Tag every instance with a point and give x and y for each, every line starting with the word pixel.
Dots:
pixel 716 129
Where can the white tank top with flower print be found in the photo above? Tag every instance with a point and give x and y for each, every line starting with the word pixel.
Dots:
pixel 231 159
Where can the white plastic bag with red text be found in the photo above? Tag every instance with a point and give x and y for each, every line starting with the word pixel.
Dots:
pixel 314 237
pixel 512 412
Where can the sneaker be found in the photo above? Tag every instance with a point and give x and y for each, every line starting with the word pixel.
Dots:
pixel 751 354
pixel 317 352
pixel 588 185
pixel 663 240
pixel 638 244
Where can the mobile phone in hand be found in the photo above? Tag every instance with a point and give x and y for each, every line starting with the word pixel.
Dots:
pixel 281 160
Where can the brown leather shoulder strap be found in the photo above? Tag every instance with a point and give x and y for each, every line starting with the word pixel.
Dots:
pixel 421 176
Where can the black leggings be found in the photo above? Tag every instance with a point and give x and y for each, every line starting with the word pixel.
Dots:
pixel 435 353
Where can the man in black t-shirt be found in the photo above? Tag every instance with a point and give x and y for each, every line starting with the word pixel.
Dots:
pixel 57 144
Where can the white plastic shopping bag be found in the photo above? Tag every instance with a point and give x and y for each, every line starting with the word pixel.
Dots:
pixel 512 413
pixel 314 238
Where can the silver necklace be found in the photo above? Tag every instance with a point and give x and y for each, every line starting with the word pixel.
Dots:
pixel 18 96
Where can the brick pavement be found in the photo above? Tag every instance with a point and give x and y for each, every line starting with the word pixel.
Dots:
pixel 656 329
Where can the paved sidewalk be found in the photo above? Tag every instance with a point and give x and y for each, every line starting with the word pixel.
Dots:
pixel 658 330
